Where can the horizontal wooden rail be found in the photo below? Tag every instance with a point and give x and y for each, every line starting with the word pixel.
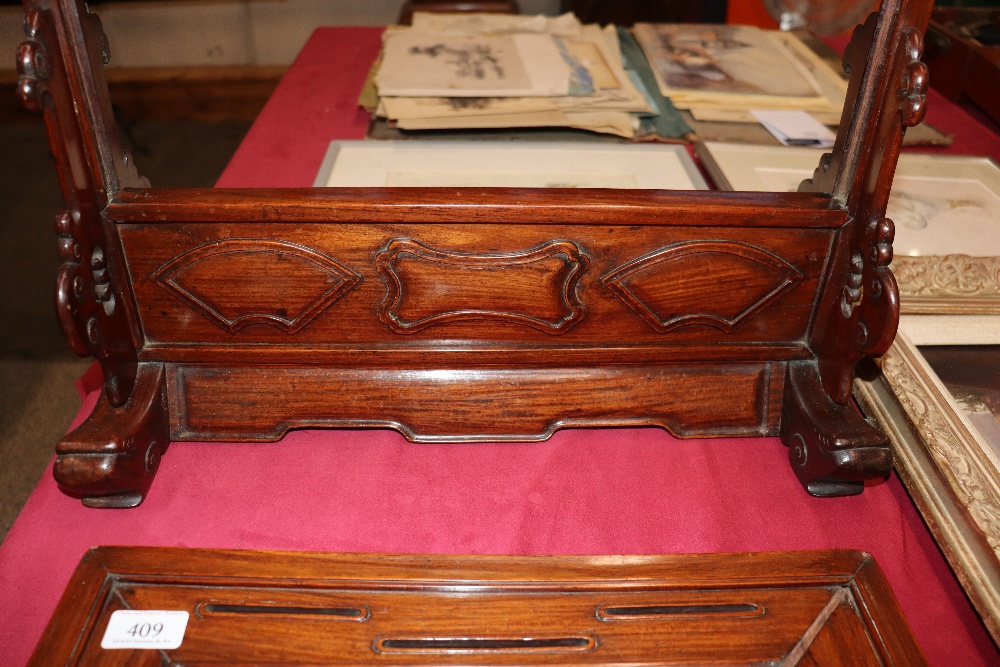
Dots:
pixel 477 205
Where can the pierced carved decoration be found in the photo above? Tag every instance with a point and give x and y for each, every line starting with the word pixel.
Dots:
pixel 913 87
pixel 977 489
pixel 32 64
pixel 71 283
pixel 858 176
pixel 239 282
pixel 827 177
pixel 879 312
pixel 88 288
pixel 535 288
pixel 717 283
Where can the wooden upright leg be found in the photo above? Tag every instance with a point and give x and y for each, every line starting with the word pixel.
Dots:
pixel 110 460
pixel 833 450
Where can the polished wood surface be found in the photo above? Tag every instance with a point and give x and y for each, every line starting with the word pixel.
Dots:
pixel 802 608
pixel 471 314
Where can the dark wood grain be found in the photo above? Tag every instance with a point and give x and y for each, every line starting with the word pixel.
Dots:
pixel 472 313
pixel 468 404
pixel 808 608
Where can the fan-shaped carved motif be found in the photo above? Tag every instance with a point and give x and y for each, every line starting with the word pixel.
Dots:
pixel 239 282
pixel 718 283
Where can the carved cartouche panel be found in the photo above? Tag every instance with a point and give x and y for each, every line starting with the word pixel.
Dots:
pixel 718 283
pixel 535 288
pixel 239 282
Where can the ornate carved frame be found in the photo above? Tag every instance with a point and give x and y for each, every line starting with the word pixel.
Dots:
pixel 949 285
pixel 471 314
pixel 949 471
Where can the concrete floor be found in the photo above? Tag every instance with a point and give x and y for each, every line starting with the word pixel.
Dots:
pixel 37 371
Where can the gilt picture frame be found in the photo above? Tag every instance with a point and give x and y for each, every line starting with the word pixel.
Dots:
pixel 946 210
pixel 949 468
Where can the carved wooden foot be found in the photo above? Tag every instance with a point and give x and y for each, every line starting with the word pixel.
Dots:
pixel 110 460
pixel 833 450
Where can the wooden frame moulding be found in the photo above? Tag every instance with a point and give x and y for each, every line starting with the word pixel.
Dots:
pixel 950 472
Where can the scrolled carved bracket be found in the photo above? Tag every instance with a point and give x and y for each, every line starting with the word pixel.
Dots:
pixel 92 294
pixel 832 449
pixel 858 175
pixel 87 305
pixel 109 461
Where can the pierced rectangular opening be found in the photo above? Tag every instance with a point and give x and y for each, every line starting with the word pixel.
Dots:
pixel 680 611
pixel 484 644
pixel 354 613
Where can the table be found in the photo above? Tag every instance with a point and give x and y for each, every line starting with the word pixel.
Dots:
pixel 596 491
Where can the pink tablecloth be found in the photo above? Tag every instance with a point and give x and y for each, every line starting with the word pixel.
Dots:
pixel 597 491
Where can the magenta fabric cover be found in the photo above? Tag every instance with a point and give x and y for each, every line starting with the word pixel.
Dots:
pixel 585 491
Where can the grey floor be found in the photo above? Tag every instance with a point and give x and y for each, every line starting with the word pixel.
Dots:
pixel 37 371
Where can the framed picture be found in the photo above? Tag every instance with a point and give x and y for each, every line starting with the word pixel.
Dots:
pixel 509 164
pixel 946 209
pixel 940 407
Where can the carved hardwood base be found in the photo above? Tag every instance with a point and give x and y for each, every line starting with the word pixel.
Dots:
pixel 110 460
pixel 833 450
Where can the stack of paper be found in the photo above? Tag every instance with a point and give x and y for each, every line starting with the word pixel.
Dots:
pixel 451 71
pixel 720 72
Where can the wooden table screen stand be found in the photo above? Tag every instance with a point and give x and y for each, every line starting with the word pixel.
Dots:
pixel 475 314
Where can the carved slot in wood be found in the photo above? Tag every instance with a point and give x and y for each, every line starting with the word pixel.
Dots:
pixel 740 610
pixel 350 613
pixel 484 644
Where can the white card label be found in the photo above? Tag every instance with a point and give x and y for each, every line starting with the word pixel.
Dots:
pixel 794 128
pixel 139 628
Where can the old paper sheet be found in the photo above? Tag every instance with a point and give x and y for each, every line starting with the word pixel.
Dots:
pixel 422 64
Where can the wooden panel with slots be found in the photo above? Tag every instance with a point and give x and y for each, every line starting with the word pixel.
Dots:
pixel 807 608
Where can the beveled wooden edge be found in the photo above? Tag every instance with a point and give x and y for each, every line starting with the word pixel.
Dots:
pixel 876 600
pixel 91 581
pixel 945 465
pixel 476 205
pixel 102 566
pixel 625 570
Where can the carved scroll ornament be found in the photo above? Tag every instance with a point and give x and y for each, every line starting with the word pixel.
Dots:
pixel 948 276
